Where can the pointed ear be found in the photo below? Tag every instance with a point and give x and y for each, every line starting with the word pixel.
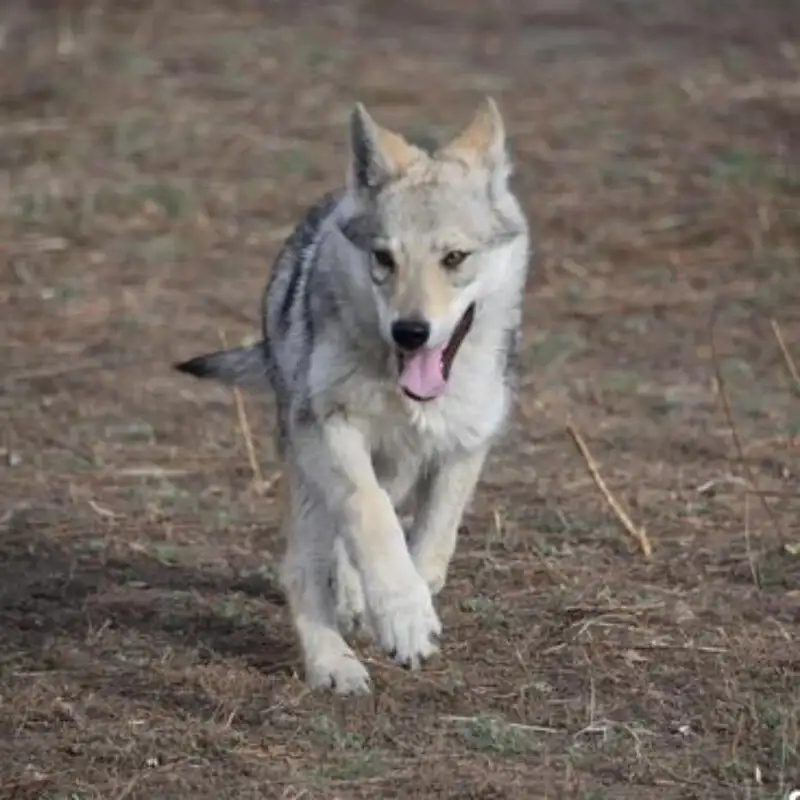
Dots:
pixel 483 141
pixel 378 154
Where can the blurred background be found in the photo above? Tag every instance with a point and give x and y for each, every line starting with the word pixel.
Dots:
pixel 154 155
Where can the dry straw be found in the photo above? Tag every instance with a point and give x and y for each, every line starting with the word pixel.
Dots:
pixel 244 427
pixel 639 534
pixel 791 367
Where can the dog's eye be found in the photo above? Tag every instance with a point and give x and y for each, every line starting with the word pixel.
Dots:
pixel 454 258
pixel 384 258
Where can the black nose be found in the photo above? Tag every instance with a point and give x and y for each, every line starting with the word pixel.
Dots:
pixel 410 334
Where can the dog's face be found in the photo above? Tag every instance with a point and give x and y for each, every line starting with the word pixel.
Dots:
pixel 428 225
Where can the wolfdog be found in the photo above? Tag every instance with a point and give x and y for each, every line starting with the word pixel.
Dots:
pixel 391 324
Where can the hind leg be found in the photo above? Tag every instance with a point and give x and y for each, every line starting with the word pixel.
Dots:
pixel 329 661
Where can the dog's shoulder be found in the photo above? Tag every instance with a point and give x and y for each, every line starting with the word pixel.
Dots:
pixel 303 236
pixel 288 278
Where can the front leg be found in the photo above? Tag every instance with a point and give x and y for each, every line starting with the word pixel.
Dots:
pixel 399 607
pixel 444 493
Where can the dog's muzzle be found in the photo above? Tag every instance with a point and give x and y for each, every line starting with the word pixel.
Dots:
pixel 424 373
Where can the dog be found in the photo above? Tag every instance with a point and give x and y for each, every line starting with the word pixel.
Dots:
pixel 391 326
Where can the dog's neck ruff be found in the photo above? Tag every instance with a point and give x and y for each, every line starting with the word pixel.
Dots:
pixel 424 374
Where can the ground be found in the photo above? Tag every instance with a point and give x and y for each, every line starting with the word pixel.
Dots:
pixel 152 160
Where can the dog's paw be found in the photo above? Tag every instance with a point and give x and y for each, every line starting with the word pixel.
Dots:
pixel 405 622
pixel 340 671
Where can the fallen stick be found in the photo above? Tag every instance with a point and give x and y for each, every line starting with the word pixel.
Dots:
pixel 244 426
pixel 787 356
pixel 514 726
pixel 639 534
pixel 722 391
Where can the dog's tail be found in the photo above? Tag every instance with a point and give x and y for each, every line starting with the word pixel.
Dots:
pixel 248 366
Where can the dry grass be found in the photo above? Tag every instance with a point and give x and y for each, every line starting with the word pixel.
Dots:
pixel 638 534
pixel 152 159
pixel 788 358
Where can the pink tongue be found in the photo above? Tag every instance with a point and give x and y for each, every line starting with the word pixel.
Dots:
pixel 422 375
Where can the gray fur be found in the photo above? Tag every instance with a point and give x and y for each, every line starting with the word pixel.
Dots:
pixel 240 366
pixel 358 452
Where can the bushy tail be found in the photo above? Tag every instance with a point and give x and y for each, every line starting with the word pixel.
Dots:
pixel 247 366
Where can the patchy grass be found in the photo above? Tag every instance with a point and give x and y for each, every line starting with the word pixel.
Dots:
pixel 489 735
pixel 152 160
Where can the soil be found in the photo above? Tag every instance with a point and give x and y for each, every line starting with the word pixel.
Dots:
pixel 154 155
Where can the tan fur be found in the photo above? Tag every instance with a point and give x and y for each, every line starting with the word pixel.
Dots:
pixel 396 150
pixel 423 291
pixel 393 149
pixel 479 135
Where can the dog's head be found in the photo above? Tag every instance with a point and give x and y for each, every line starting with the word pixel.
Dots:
pixel 430 224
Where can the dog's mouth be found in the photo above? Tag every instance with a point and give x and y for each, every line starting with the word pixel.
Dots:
pixel 424 373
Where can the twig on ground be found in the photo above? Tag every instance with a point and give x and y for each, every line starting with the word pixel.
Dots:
pixel 152 471
pixel 553 572
pixel 516 726
pixel 639 534
pixel 787 356
pixel 31 127
pixel 244 426
pixel 691 648
pixel 65 368
pixel 101 511
pixel 268 483
pixel 128 788
pixel 709 488
pixel 750 558
pixel 737 442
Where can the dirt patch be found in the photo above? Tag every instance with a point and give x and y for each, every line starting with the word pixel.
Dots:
pixel 153 159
